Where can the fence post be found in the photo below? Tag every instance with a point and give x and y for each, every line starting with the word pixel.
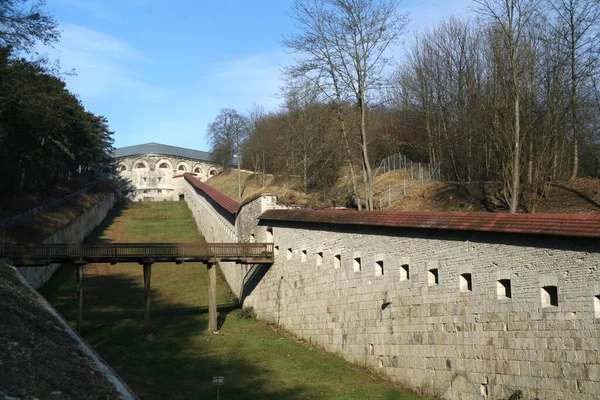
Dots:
pixel 404 188
pixel 79 267
pixel 212 296
pixel 147 289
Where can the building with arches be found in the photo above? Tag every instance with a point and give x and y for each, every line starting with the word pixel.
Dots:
pixel 153 169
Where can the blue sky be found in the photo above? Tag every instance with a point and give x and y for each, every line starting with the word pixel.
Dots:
pixel 160 70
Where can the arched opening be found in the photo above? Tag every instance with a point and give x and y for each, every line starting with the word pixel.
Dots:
pixel 182 168
pixel 197 170
pixel 122 168
pixel 140 166
pixel 164 166
pixel 212 172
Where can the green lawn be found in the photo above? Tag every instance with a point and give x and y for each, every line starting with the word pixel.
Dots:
pixel 256 361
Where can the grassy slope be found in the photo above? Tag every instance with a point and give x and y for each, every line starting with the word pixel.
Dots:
pixel 256 361
pixel 579 196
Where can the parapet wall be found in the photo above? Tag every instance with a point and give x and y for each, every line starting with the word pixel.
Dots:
pixel 461 308
pixel 75 232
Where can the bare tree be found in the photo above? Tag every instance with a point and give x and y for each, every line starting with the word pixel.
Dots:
pixel 226 135
pixel 343 46
pixel 576 24
pixel 512 18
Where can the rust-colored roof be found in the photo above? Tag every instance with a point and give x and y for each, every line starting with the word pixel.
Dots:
pixel 227 203
pixel 578 225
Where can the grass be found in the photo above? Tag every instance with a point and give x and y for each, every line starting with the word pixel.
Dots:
pixel 48 222
pixel 256 361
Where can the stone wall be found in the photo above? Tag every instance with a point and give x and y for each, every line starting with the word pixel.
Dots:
pixel 458 315
pixel 216 225
pixel 455 314
pixel 73 233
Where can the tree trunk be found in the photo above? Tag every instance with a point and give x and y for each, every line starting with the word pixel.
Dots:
pixel 349 151
pixel 530 163
pixel 368 176
pixel 305 173
pixel 574 121
pixel 516 159
pixel 239 179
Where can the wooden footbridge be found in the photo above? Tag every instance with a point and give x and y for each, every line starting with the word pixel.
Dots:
pixel 146 254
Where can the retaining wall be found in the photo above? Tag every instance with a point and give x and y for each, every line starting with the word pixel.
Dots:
pixel 380 306
pixel 452 313
pixel 73 233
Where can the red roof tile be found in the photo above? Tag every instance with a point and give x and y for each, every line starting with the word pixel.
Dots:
pixel 578 225
pixel 227 203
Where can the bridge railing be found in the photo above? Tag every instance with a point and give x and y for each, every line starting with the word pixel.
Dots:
pixel 139 250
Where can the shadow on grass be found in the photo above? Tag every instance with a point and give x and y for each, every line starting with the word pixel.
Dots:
pixel 96 236
pixel 183 358
pixel 181 361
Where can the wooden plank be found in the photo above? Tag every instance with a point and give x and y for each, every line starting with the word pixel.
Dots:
pixel 147 288
pixel 212 297
pixel 79 268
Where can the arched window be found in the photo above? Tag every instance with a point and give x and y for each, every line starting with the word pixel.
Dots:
pixel 213 172
pixel 182 168
pixel 197 170
pixel 164 166
pixel 122 168
pixel 140 166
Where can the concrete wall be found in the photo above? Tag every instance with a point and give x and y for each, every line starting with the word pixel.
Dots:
pixel 371 295
pixel 75 232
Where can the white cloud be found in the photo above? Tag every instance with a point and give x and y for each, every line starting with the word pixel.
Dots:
pixel 97 9
pixel 251 79
pixel 79 37
pixel 102 64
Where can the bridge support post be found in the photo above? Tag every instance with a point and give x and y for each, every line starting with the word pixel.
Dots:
pixel 79 271
pixel 212 296
pixel 147 288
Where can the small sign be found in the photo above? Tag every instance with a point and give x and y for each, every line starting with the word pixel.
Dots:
pixel 218 380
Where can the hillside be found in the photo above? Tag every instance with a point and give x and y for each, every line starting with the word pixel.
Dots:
pixel 395 191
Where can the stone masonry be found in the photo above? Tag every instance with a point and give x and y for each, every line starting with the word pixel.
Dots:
pixel 455 314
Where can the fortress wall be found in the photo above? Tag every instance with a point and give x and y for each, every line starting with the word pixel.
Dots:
pixel 219 225
pixel 437 338
pixel 216 225
pixel 455 314
pixel 155 180
pixel 249 230
pixel 451 339
pixel 73 233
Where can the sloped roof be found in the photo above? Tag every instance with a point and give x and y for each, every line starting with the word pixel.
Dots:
pixel 576 225
pixel 221 199
pixel 163 149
